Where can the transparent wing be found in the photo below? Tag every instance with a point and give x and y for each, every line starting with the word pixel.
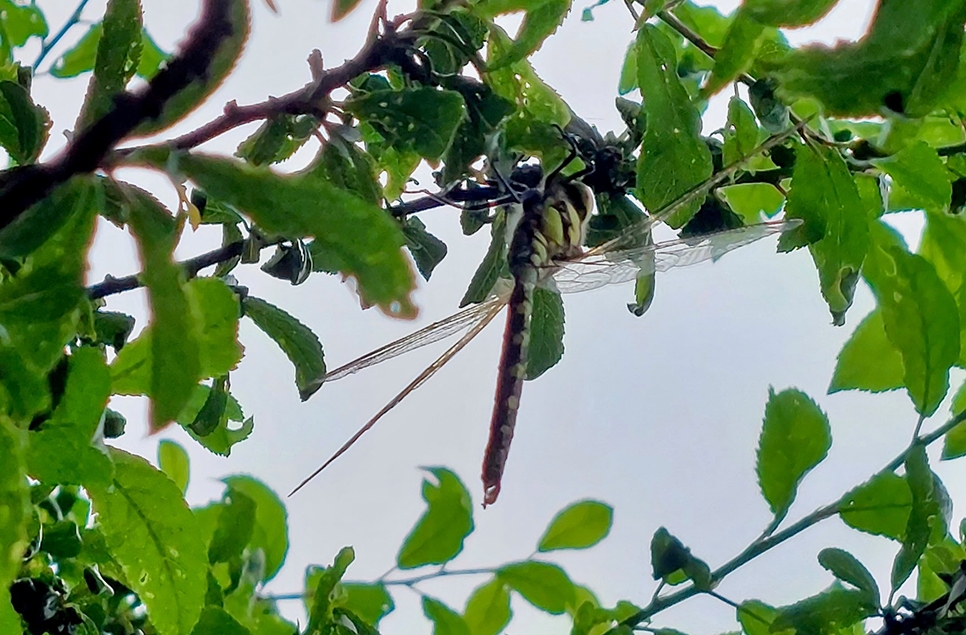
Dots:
pixel 463 320
pixel 594 270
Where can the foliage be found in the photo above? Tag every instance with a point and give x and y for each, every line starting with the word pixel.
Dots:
pixel 96 540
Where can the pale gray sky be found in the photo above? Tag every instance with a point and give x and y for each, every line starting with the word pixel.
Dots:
pixel 659 416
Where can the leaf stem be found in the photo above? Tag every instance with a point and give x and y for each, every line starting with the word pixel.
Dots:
pixel 52 42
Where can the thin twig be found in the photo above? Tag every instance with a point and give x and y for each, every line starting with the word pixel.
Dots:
pixel 52 42
pixel 191 266
pixel 762 545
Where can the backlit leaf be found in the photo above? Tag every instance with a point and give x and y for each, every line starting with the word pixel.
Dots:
pixel 868 361
pixel 228 428
pixel 216 311
pixel 493 265
pixel 438 536
pixel 116 61
pixel 321 615
pixel 831 611
pixel 919 171
pixel 836 224
pixel 80 58
pixel 445 620
pixel 546 332
pixel 751 200
pixel 488 608
pixel 296 340
pixel 922 321
pixel 371 602
pixel 421 119
pixel 541 18
pixel 236 525
pixel 154 538
pixel 544 585
pixel 21 22
pixel 578 526
pixel 173 461
pixel 737 52
pixel 427 250
pixel 787 12
pixel 24 126
pixel 741 133
pixel 954 444
pixel 15 501
pixel 674 157
pixel 215 619
pixel 904 63
pixel 271 524
pixel 174 361
pixel 152 57
pixel 756 617
pixel 62 450
pixel 847 568
pixel 304 205
pixel 38 305
pixel 880 506
pixel 794 439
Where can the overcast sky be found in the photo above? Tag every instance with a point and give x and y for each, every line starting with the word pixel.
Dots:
pixel 658 416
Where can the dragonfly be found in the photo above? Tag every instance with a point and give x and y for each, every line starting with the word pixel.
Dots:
pixel 546 250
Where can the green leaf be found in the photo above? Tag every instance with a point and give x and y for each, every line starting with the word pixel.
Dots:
pixel 831 611
pixel 919 171
pixel 880 506
pixel 277 139
pixel 61 539
pixel 438 535
pixel 175 367
pixel 672 562
pixel 346 166
pixel 22 22
pixel 905 62
pixel 271 524
pixel 220 435
pixel 488 609
pixel 927 509
pixel 844 566
pixel 423 120
pixel 153 536
pixel 38 305
pixel 342 8
pixel 544 585
pixel 152 57
pixel 62 450
pixel 836 224
pixel 794 439
pixel 741 133
pixel 24 126
pixel 541 19
pixel 320 615
pixel 427 250
pixel 304 205
pixel 787 12
pixel 80 58
pixel 868 361
pixel 942 245
pixel 371 602
pixel 674 157
pixel 578 526
pixel 628 78
pixel 756 617
pixel 751 200
pixel 215 619
pixel 216 310
pixel 31 229
pixel 737 53
pixel 236 526
pixel 173 461
pixel 922 321
pixel 117 58
pixel 493 265
pixel 205 81
pixel 546 332
pixel 296 340
pixel 445 620
pixel 954 444
pixel 15 502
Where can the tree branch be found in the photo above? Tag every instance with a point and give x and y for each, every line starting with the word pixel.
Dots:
pixel 191 266
pixel 761 545
pixel 23 186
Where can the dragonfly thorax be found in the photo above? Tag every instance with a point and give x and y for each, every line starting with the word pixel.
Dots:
pixel 551 226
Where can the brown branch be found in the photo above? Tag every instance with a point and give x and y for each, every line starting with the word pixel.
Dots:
pixel 191 266
pixel 23 186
